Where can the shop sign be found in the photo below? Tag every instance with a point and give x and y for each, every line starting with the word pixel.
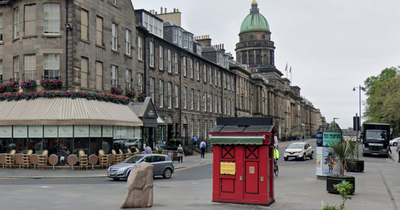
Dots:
pixel 330 138
pixel 50 131
pixel 5 132
pixel 227 168
pixel 95 131
pixel 65 131
pixel 151 114
pixel 107 131
pixel 35 131
pixel 20 131
pixel 81 131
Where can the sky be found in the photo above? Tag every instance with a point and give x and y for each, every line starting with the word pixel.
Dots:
pixel 331 46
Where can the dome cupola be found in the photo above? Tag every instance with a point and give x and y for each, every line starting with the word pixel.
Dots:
pixel 254 21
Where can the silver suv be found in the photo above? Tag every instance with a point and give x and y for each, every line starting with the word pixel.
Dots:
pixel 298 150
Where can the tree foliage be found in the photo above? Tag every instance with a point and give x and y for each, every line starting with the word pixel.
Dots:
pixel 383 97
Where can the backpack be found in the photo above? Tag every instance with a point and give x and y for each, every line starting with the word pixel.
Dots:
pixel 203 145
pixel 180 151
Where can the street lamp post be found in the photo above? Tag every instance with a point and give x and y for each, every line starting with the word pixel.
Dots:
pixel 358 124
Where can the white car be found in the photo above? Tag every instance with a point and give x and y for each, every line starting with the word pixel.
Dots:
pixel 394 142
pixel 299 150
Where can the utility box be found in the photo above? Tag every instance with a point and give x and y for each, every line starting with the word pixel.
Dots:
pixel 243 150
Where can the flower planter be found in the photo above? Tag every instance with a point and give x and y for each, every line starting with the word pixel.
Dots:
pixel 332 180
pixel 355 165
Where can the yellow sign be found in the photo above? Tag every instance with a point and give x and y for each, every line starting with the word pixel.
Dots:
pixel 227 168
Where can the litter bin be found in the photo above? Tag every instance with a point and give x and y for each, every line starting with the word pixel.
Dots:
pixel 170 154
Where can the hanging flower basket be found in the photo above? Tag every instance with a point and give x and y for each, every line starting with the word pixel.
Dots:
pixel 141 97
pixel 29 85
pixel 11 87
pixel 117 91
pixel 130 93
pixel 51 84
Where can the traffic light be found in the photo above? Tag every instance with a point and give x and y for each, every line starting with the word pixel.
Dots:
pixel 356 123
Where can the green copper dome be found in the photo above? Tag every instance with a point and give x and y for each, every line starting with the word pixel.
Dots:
pixel 254 21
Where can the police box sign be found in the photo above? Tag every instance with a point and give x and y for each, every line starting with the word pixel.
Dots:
pixel 151 113
pixel 330 138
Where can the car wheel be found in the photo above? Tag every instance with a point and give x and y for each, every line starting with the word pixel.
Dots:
pixel 304 157
pixel 116 179
pixel 312 155
pixel 395 144
pixel 167 173
pixel 285 159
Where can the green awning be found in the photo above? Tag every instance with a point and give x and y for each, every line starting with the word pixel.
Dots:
pixel 246 140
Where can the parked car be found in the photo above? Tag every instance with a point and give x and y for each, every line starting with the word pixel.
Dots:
pixel 163 166
pixel 394 142
pixel 298 150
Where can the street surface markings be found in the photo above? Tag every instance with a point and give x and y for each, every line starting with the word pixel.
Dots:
pixel 389 191
pixel 194 166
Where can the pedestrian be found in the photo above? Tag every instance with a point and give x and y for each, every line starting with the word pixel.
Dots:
pixel 148 150
pixel 398 152
pixel 302 137
pixel 194 141
pixel 203 148
pixel 180 154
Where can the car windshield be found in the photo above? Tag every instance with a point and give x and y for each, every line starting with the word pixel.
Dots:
pixel 295 146
pixel 375 135
pixel 133 159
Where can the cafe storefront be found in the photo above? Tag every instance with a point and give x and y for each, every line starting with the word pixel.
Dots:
pixel 64 124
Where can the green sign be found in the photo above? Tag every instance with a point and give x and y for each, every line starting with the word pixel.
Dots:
pixel 331 138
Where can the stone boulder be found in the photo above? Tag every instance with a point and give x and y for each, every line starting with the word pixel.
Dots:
pixel 140 187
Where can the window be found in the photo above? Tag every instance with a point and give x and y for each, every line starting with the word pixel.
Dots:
pixel 205 129
pixel 140 83
pixel 169 92
pixel 99 31
pixel 151 54
pixel 152 82
pixel 184 97
pixel 1 28
pixel 114 76
pixel 99 75
pixel 180 38
pixel 129 79
pixel 16 23
pixel 198 100
pixel 210 104
pixel 184 66
pixel 205 101
pixel 128 41
pixel 176 63
pixel 161 58
pixel 210 75
pixel 16 68
pixel 185 40
pixel 175 35
pixel 84 72
pixel 191 68
pixel 84 25
pixel 219 79
pixel 224 105
pixel 140 47
pixel 191 98
pixel 219 104
pixel 228 82
pixel 114 34
pixel 169 61
pixel 190 44
pixel 52 19
pixel 51 66
pixel 198 128
pixel 161 93
pixel 232 84
pixel 205 73
pixel 30 20
pixel 176 96
pixel 30 67
pixel 229 106
pixel 223 80
pixel 1 71
pixel 215 103
pixel 198 71
pixel 233 107
pixel 215 77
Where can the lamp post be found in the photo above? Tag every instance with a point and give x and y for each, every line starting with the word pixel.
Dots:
pixel 358 124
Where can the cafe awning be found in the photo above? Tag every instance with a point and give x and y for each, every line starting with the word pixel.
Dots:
pixel 66 111
pixel 237 140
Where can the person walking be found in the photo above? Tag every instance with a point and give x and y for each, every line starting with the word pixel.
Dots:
pixel 203 148
pixel 398 152
pixel 180 154
pixel 194 141
pixel 148 150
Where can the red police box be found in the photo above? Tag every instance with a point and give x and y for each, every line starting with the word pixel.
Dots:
pixel 243 160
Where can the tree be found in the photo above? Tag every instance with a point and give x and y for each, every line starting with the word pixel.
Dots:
pixel 380 91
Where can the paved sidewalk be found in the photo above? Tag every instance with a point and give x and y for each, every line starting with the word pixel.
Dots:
pixel 296 187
